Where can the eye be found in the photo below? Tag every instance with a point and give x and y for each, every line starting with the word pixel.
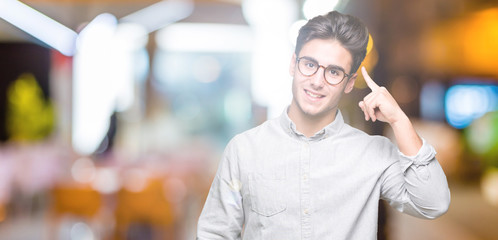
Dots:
pixel 310 64
pixel 334 72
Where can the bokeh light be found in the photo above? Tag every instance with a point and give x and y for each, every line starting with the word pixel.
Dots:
pixel 83 170
pixel 313 8
pixel 464 103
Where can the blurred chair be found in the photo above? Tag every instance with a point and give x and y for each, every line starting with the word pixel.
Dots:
pixel 78 200
pixel 144 214
pixel 79 203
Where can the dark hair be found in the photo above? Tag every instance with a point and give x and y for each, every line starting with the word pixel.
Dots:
pixel 347 29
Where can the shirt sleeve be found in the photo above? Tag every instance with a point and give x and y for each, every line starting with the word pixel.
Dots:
pixel 222 216
pixel 416 185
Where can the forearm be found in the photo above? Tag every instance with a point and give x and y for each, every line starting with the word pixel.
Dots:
pixel 407 139
pixel 427 188
pixel 421 184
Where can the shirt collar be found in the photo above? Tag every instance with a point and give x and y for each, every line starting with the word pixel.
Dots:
pixel 328 131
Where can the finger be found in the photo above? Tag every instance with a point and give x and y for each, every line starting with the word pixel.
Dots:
pixel 371 113
pixel 370 83
pixel 362 106
pixel 370 106
pixel 370 96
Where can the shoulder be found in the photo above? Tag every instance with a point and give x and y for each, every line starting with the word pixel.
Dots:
pixel 262 138
pixel 264 130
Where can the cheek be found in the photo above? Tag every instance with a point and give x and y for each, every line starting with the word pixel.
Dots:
pixel 294 87
pixel 336 93
pixel 291 71
pixel 297 86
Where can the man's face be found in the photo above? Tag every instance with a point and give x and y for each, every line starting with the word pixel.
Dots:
pixel 313 96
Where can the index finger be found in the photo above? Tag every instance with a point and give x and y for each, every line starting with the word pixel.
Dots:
pixel 371 84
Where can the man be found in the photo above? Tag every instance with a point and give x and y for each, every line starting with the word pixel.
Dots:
pixel 307 174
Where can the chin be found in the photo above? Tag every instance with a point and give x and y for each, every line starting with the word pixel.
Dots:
pixel 313 111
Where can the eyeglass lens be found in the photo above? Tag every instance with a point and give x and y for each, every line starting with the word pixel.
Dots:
pixel 333 75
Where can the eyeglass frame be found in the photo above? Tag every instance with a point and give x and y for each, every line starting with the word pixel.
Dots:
pixel 324 69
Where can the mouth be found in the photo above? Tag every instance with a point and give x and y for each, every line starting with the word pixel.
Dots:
pixel 313 95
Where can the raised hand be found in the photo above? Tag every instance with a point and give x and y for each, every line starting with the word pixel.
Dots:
pixel 379 104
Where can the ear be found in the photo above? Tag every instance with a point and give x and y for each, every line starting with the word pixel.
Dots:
pixel 292 66
pixel 350 84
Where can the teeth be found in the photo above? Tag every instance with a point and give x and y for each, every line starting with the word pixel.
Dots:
pixel 313 95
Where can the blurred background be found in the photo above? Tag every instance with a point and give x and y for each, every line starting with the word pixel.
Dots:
pixel 114 113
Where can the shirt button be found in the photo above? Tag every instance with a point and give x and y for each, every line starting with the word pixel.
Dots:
pixel 306 211
pixel 305 177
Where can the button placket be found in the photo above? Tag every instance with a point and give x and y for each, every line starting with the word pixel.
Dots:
pixel 305 190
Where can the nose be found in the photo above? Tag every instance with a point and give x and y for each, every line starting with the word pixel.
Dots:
pixel 318 79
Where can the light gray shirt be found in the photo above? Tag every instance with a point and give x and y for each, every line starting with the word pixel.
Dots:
pixel 274 183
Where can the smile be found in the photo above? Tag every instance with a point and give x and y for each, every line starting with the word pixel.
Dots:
pixel 313 95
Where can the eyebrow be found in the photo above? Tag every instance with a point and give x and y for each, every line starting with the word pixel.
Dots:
pixel 332 65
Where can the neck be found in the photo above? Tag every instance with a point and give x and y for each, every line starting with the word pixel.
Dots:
pixel 307 124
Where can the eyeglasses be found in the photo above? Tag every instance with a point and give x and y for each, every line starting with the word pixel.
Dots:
pixel 333 74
